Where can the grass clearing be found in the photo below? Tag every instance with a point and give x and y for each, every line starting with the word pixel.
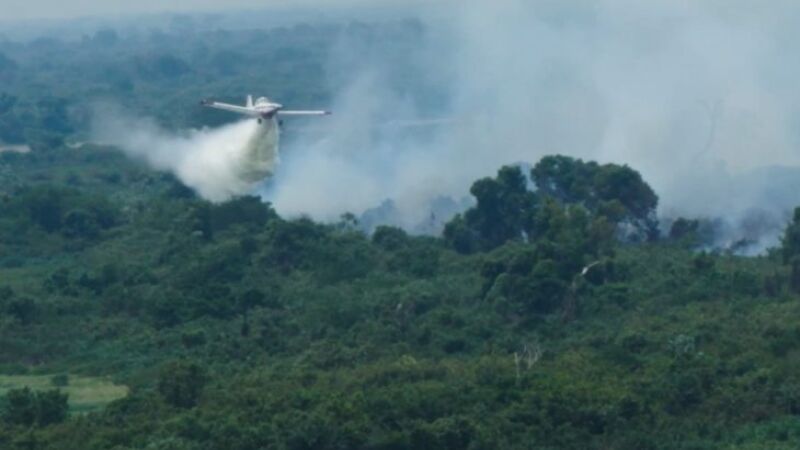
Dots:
pixel 85 393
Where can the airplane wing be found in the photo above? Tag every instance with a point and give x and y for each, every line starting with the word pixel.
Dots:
pixel 284 112
pixel 232 108
pixel 413 123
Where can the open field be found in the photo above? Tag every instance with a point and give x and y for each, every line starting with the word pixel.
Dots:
pixel 85 393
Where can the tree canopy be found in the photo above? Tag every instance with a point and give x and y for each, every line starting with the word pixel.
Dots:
pixel 135 315
pixel 617 192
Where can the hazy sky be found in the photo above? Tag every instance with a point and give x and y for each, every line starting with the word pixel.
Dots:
pixel 57 9
pixel 700 96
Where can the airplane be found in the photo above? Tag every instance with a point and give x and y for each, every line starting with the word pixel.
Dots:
pixel 262 108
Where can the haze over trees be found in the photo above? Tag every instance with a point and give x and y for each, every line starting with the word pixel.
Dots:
pixel 539 320
pixel 550 314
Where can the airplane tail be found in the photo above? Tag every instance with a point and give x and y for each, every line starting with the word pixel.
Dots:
pixel 249 101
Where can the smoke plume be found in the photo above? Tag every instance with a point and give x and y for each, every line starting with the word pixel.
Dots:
pixel 698 96
pixel 217 163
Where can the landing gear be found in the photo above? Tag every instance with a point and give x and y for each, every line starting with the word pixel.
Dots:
pixel 259 121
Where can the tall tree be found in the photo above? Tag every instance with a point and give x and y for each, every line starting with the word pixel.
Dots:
pixel 503 211
pixel 791 238
pixel 181 383
pixel 617 192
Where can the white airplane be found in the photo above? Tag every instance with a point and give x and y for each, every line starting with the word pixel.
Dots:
pixel 263 109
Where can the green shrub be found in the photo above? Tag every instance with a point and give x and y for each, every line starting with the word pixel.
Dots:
pixel 181 383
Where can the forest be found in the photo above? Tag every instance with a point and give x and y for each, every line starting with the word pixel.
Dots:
pixel 557 312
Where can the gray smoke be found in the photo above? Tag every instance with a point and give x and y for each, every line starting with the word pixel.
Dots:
pixel 700 97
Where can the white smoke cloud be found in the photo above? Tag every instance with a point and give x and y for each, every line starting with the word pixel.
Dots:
pixel 698 96
pixel 363 159
pixel 217 163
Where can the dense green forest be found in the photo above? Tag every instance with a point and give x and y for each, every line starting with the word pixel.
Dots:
pixel 49 86
pixel 553 314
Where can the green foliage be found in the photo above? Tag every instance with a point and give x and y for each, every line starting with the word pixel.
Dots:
pixel 585 199
pixel 60 380
pixel 684 229
pixel 6 294
pixel 390 238
pixel 52 407
pixel 20 407
pixel 73 214
pixel 193 338
pixel 181 383
pixel 274 333
pixel 23 309
pixel 502 213
pixel 791 238
pixel 7 101
pixel 291 334
pixel 161 66
pixel 79 223
pixel 247 210
pixel 530 324
pixel 617 192
pixel 460 236
pixel 27 408
pixel 45 207
pixel 794 277
pixel 52 114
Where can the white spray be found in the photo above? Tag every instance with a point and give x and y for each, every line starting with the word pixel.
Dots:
pixel 700 97
pixel 217 163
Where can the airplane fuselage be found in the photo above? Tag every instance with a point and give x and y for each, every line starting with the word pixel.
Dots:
pixel 260 156
pixel 265 108
pixel 262 108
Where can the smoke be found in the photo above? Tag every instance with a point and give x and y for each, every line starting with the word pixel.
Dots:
pixel 698 96
pixel 217 163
